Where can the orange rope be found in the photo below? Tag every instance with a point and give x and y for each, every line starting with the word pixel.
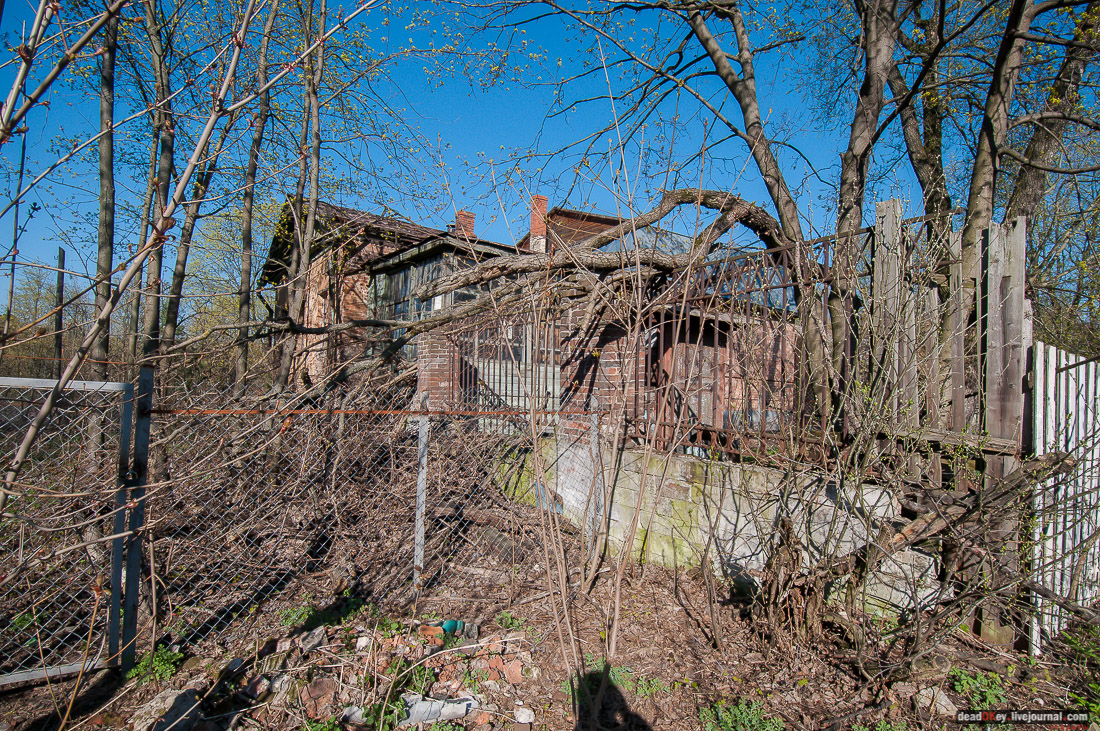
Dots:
pixel 370 412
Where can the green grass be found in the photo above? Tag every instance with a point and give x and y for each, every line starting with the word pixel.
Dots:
pixel 745 716
pixel 161 665
pixel 620 676
pixel 508 621
pixel 1084 656
pixel 293 616
pixel 883 725
pixel 984 691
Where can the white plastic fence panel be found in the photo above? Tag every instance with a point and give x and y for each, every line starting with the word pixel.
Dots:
pixel 1066 534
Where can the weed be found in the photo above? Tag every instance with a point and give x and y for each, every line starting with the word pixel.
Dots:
pixel 1084 654
pixel 883 725
pixel 473 679
pixel 620 676
pixel 22 621
pixel 444 726
pixel 383 716
pixel 340 612
pixel 417 679
pixel 420 679
pixel 329 724
pixel 293 616
pixel 508 621
pixel 742 717
pixel 389 627
pixel 646 687
pixel 396 668
pixel 984 691
pixel 161 665
pixel 305 616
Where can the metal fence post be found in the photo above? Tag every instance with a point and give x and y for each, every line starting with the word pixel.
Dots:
pixel 118 548
pixel 421 495
pixel 137 514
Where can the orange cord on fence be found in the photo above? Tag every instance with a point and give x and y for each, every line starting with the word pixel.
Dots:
pixel 66 360
pixel 365 412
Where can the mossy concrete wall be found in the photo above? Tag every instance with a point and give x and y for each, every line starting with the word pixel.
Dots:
pixel 688 508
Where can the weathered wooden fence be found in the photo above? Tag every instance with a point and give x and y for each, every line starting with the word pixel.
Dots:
pixel 1066 532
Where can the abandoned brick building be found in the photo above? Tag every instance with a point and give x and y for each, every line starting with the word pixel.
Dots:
pixel 717 359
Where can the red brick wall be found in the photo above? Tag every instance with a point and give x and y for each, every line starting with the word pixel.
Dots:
pixel 435 358
pixel 599 370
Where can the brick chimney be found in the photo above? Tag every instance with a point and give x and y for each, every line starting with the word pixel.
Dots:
pixel 537 240
pixel 464 225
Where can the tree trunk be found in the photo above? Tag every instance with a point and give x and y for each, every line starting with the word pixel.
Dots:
pixel 979 206
pixel 743 88
pixel 98 367
pixel 244 293
pixel 879 36
pixel 183 246
pixel 165 126
pixel 296 290
pixel 295 267
pixel 1030 185
pixel 134 328
pixel 106 242
pixel 925 149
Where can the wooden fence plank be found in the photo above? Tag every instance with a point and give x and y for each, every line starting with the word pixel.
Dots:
pixel 956 419
pixel 992 334
pixel 930 355
pixel 1016 337
pixel 885 298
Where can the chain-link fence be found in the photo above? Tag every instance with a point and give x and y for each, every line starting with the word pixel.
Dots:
pixel 245 502
pixel 60 596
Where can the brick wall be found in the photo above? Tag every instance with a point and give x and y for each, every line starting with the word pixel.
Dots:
pixel 435 368
pixel 599 367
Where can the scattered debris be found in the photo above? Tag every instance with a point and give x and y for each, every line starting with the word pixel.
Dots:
pixel 428 710
pixel 318 697
pixel 230 669
pixel 934 702
pixel 311 640
pixel 170 709
pixel 376 667
pixel 257 687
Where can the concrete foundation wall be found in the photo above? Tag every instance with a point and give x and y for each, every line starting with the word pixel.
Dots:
pixel 688 507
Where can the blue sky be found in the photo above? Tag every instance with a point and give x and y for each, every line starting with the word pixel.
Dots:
pixel 474 126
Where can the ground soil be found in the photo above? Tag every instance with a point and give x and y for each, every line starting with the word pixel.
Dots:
pixel 674 656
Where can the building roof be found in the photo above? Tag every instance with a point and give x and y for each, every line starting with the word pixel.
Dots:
pixel 477 249
pixel 568 226
pixel 368 235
